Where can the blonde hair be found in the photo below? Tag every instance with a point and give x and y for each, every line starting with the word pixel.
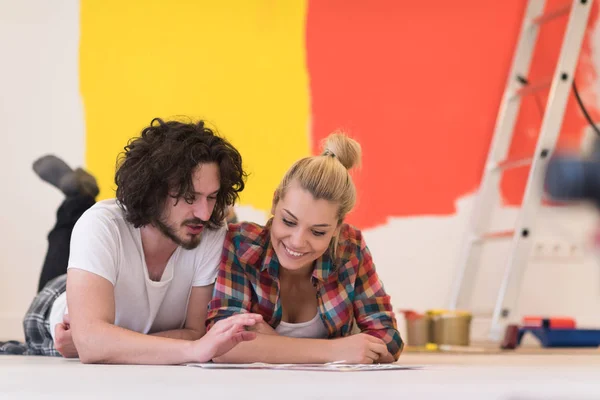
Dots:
pixel 326 176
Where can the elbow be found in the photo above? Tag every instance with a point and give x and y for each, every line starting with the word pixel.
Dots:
pixel 90 354
pixel 400 350
pixel 88 357
pixel 396 354
pixel 88 360
pixel 88 351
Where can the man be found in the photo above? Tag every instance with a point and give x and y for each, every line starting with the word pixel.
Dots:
pixel 141 267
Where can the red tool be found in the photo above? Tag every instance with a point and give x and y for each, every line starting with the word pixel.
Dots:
pixel 534 321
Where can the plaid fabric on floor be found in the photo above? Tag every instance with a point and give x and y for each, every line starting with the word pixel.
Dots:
pixel 35 324
pixel 12 347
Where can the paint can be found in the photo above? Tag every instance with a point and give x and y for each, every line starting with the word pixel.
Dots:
pixel 417 328
pixel 450 327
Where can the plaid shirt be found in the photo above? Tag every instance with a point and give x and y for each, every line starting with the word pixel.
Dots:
pixel 348 288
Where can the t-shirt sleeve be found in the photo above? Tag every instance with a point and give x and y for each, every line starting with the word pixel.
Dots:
pixel 94 245
pixel 211 249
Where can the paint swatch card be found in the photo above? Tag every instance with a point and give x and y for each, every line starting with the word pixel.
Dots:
pixel 308 367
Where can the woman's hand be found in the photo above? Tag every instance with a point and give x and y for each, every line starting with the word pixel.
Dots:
pixel 359 349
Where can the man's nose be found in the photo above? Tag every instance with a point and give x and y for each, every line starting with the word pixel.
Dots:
pixel 202 209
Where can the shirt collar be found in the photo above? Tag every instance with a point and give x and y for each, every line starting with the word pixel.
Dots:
pixel 270 261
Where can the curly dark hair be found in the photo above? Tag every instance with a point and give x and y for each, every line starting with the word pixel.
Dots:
pixel 162 161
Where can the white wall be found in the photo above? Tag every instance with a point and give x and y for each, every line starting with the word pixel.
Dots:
pixel 40 112
pixel 417 258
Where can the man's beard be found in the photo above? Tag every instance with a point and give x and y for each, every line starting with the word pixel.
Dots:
pixel 171 233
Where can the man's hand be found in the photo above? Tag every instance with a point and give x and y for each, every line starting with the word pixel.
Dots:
pixel 263 328
pixel 359 349
pixel 64 341
pixel 225 335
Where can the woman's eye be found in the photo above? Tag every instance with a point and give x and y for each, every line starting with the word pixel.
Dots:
pixel 288 222
pixel 318 233
pixel 212 198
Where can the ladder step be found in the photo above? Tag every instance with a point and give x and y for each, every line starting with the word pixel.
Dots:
pixel 533 88
pixel 494 236
pixel 511 163
pixel 499 234
pixel 550 15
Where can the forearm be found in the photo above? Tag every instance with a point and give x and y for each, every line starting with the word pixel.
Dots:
pixel 101 342
pixel 276 349
pixel 182 334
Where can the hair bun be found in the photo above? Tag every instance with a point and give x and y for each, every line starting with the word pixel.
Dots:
pixel 344 149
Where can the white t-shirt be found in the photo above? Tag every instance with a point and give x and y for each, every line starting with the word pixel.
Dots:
pixel 104 243
pixel 313 329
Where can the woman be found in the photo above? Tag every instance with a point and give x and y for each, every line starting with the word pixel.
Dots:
pixel 309 275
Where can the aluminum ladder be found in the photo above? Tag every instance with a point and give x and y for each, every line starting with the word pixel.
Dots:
pixel 488 196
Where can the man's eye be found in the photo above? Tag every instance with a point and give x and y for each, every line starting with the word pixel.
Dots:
pixel 190 199
pixel 288 222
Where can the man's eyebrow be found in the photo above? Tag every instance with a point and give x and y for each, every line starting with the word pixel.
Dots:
pixel 314 226
pixel 210 194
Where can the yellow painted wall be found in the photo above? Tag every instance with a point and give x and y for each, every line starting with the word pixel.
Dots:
pixel 239 65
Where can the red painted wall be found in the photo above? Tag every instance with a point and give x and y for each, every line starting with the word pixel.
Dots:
pixel 419 85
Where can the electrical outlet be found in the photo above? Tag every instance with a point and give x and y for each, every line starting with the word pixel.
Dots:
pixel 557 251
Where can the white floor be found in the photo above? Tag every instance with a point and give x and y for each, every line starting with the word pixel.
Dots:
pixel 443 376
